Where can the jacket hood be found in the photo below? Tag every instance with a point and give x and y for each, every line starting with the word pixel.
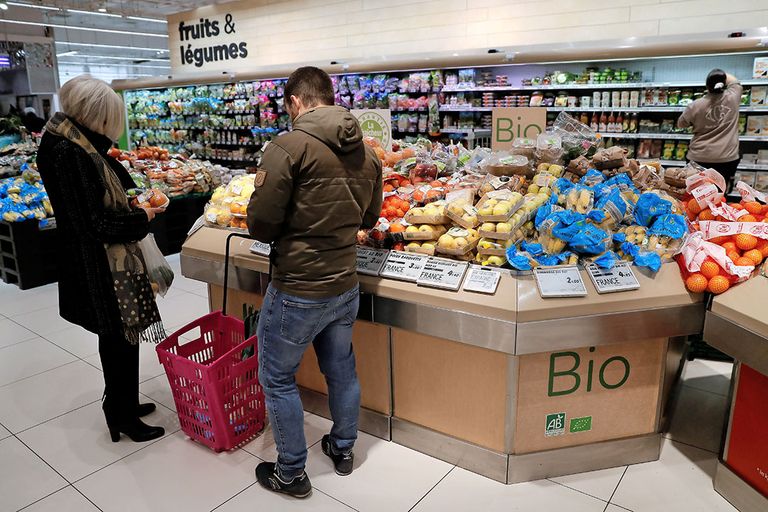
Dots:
pixel 333 125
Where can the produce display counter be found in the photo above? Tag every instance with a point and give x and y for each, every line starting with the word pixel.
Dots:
pixel 737 324
pixel 509 385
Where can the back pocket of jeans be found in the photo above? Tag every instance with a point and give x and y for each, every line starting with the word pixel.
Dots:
pixel 300 322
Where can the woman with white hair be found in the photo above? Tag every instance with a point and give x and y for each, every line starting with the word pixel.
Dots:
pixel 103 286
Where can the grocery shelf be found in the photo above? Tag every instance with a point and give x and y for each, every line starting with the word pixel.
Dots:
pixel 683 163
pixel 753 138
pixel 668 136
pixel 598 109
pixel 475 131
pixel 753 167
pixel 612 85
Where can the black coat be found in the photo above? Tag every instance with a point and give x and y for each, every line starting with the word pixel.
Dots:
pixel 75 187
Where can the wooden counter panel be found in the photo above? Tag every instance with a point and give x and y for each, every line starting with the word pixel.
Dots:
pixel 456 389
pixel 370 342
pixel 746 305
pixel 554 384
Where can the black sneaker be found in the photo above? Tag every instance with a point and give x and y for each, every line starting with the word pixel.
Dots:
pixel 299 487
pixel 343 462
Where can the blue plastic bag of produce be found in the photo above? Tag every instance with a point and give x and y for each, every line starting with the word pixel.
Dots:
pixel 590 240
pixel 592 178
pixel 517 260
pixel 671 225
pixel 650 206
pixel 642 258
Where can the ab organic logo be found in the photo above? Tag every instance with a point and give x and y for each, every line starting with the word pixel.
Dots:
pixel 206 28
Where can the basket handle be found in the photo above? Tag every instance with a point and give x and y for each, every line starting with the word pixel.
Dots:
pixel 226 268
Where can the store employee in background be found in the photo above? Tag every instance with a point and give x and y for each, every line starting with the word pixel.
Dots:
pixel 316 186
pixel 715 122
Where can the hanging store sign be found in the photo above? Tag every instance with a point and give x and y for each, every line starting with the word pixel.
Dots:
pixel 376 123
pixel 513 123
pixel 211 39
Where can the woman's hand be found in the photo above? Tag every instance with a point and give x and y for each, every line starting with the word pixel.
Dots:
pixel 151 212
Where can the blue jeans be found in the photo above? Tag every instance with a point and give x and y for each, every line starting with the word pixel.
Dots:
pixel 287 325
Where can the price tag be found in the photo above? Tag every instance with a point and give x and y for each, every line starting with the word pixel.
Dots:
pixel 260 248
pixel 370 261
pixel 442 273
pixel 482 280
pixel 405 266
pixel 617 279
pixel 559 282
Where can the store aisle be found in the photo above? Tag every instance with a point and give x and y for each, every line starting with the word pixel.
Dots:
pixel 55 453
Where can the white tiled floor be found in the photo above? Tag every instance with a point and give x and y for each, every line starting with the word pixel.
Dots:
pixel 56 455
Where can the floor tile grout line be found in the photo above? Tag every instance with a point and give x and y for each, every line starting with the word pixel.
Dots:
pixel 146 445
pixel 44 461
pixel 337 500
pixel 44 497
pixel 36 374
pixel 81 493
pixel 703 390
pixel 57 417
pixel 234 496
pixel 616 488
pixel 664 435
pixel 431 489
pixel 22 341
pixel 577 490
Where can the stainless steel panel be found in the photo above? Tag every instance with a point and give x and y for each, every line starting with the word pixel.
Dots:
pixel 370 422
pixel 450 449
pixel 604 329
pixel 738 492
pixel 675 358
pixel 580 459
pixel 736 341
pixel 735 376
pixel 447 324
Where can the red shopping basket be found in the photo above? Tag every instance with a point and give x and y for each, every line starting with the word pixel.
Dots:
pixel 215 380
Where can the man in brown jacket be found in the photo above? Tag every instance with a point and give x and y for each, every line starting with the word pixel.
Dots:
pixel 316 186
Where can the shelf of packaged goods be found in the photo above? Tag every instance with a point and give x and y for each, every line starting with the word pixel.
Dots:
pixel 617 85
pixel 753 167
pixel 401 110
pixel 650 109
pixel 476 132
pixel 193 127
pixel 238 144
pixel 667 136
pixel 229 159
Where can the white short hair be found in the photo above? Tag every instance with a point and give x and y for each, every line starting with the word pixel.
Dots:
pixel 92 103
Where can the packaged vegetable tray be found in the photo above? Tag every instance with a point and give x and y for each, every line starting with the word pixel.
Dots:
pixel 498 205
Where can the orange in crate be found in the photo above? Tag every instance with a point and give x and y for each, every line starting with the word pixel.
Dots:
pixel 728 246
pixel 745 242
pixel 693 207
pixel 744 262
pixel 710 269
pixel 754 255
pixel 733 255
pixel 721 240
pixel 762 246
pixel 747 218
pixel 706 215
pixel 696 283
pixel 718 285
pixel 753 207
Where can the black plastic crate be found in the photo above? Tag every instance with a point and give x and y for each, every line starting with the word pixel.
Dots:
pixel 28 257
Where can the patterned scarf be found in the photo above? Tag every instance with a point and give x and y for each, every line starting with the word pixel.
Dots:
pixel 136 300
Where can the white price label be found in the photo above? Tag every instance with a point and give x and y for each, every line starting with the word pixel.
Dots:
pixel 442 273
pixel 260 248
pixel 560 282
pixel 405 266
pixel 370 261
pixel 617 279
pixel 482 280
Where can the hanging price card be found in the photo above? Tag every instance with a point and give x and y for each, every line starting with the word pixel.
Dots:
pixel 482 280
pixel 405 266
pixel 442 273
pixel 559 282
pixel 260 248
pixel 370 261
pixel 617 279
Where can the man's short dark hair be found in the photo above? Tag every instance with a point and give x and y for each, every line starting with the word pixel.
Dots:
pixel 312 85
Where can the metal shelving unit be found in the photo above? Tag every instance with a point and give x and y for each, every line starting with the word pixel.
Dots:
pixel 449 108
pixel 611 85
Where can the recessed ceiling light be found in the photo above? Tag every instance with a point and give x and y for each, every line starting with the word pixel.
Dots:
pixel 33 6
pixel 100 13
pixel 3 6
pixel 140 18
pixel 102 9
pixel 87 29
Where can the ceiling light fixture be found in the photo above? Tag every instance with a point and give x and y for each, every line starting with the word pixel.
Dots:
pixel 3 6
pixel 92 56
pixel 102 9
pixel 33 6
pixel 67 54
pixel 109 64
pixel 87 29
pixel 100 13
pixel 151 20
pixel 119 47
